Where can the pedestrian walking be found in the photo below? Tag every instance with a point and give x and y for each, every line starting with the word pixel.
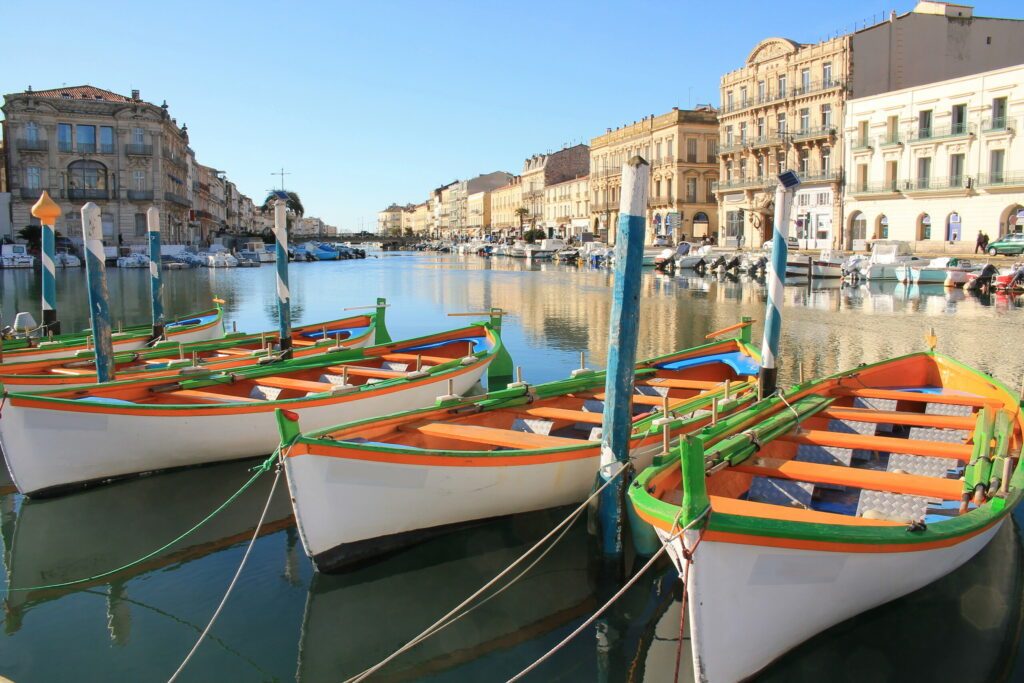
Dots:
pixel 979 244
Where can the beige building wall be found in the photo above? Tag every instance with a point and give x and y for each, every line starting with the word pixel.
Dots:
pixel 389 221
pixel 567 207
pixel 937 163
pixel 505 200
pixel 681 147
pixel 783 109
pixel 478 214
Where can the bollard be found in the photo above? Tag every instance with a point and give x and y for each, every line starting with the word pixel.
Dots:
pixel 96 278
pixel 622 338
pixel 284 312
pixel 155 283
pixel 47 211
pixel 788 181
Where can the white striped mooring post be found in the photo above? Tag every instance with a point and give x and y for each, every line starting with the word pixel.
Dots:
pixel 155 284
pixel 284 312
pixel 623 330
pixel 47 211
pixel 788 181
pixel 96 277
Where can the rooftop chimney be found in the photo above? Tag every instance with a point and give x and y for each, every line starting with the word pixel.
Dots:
pixel 135 95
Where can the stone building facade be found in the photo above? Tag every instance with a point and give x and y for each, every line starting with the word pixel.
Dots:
pixel 505 201
pixel 567 208
pixel 681 147
pixel 541 170
pixel 389 221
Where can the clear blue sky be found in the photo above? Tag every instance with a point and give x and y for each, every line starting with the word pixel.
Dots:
pixel 369 103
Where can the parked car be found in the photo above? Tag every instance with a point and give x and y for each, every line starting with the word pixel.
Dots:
pixel 1007 244
pixel 791 243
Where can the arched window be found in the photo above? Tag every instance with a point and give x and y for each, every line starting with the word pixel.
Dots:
pixel 858 226
pixel 87 180
pixel 1012 220
pixel 924 227
pixel 882 227
pixel 953 227
pixel 700 217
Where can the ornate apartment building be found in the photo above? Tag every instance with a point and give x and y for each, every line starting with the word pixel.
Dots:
pixel 389 221
pixel 682 148
pixel 541 170
pixel 783 109
pixel 567 207
pixel 505 201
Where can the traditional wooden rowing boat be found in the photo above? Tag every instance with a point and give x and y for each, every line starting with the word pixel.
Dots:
pixel 172 359
pixel 853 491
pixel 525 448
pixel 204 326
pixel 54 440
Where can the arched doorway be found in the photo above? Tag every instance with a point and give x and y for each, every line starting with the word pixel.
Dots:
pixel 858 229
pixel 1012 220
pixel 924 227
pixel 882 227
pixel 953 227
pixel 701 223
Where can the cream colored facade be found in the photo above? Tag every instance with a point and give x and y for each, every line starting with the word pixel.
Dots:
pixel 541 170
pixel 681 147
pixel 567 207
pixel 389 221
pixel 783 109
pixel 417 219
pixel 478 213
pixel 505 200
pixel 936 164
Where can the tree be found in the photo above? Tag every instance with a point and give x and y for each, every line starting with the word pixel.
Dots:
pixel 532 236
pixel 521 213
pixel 293 207
pixel 33 235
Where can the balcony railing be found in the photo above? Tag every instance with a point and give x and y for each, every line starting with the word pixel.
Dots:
pixel 860 143
pixel 889 139
pixel 775 96
pixel 953 130
pixel 742 184
pixel 176 160
pixel 664 161
pixel 86 148
pixel 107 148
pixel 886 187
pixel 937 184
pixel 730 147
pixel 31 192
pixel 820 132
pixel 999 124
pixel 602 207
pixel 660 200
pixel 176 199
pixel 815 176
pixel 33 145
pixel 1001 179
pixel 91 193
pixel 140 195
pixel 65 146
pixel 138 150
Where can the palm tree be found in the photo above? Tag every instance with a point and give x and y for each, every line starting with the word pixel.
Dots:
pixel 293 204
pixel 521 212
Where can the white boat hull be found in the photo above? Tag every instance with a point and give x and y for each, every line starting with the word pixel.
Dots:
pixel 49 449
pixel 751 604
pixel 819 270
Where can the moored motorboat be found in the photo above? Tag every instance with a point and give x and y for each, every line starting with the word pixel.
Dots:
pixel 517 450
pixel 62 439
pixel 828 264
pixel 886 258
pixel 857 489
pixel 931 273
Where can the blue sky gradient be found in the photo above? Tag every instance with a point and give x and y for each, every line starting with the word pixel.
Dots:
pixel 369 103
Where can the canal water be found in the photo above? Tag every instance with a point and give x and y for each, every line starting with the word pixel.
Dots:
pixel 285 622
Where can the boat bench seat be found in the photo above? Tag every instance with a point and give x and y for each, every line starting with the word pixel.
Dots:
pixel 235 351
pixel 212 397
pixel 361 371
pixel 71 372
pixel 886 444
pixel 961 401
pixel 680 383
pixel 407 357
pixel 552 413
pixel 895 417
pixel 491 436
pixel 303 342
pixel 294 384
pixel 747 508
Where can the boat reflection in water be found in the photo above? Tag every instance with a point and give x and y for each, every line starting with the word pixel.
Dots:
pixel 64 539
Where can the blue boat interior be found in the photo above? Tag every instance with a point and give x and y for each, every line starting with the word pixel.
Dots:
pixel 740 363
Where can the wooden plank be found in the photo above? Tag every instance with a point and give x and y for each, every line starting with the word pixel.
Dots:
pixel 639 399
pixel 681 383
pixel 746 508
pixel 361 371
pixel 411 358
pixel 71 372
pixel 211 397
pixel 887 444
pixel 303 342
pixel 491 436
pixel 552 413
pixel 911 484
pixel 900 418
pixel 234 351
pixel 294 384
pixel 919 397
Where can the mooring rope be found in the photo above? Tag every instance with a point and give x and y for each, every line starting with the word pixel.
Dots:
pixel 447 619
pixel 259 470
pixel 618 594
pixel 234 579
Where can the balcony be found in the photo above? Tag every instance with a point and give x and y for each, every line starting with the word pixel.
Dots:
pixel 954 130
pixel 140 195
pixel 1006 180
pixel 533 194
pixel 604 207
pixel 999 124
pixel 664 161
pixel 937 185
pixel 762 141
pixel 33 145
pixel 174 159
pixel 31 192
pixel 743 184
pixel 90 193
pixel 107 148
pixel 85 148
pixel 814 87
pixel 138 150
pixel 891 187
pixel 828 176
pixel 811 133
pixel 860 143
pixel 730 146
pixel 176 199
pixel 661 200
pixel 889 139
pixel 65 146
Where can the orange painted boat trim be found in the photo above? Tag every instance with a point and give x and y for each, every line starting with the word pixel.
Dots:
pixel 553 413
pixel 919 397
pixel 414 458
pixel 492 436
pixel 887 444
pixel 748 508
pixel 680 383
pixel 900 418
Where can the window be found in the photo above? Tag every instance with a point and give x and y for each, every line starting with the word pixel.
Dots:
pixel 657 151
pixel 743 133
pixel 891 174
pixel 826 160
pixel 743 168
pixel 712 149
pixel 805 80
pixel 805 162
pixel 85 139
pixel 728 136
pixel 668 189
pixel 691 150
pixel 139 180
pixel 760 91
pixel 709 190
pixel 760 128
pixel 803 199
pixel 691 190
pixel 826 75
pixel 826 116
pixel 924 172
pixel 762 172
pixel 995 165
pixel 140 225
pixel 883 227
pixel 780 161
pixel 924 227
pixel 862 134
pixel 138 136
pixel 862 176
pixel 859 227
pixel 953 227
pixel 743 96
pixel 892 128
pixel 657 188
pixel 734 224
pixel 106 139
pixel 31 132
pixel 87 176
pixel 959 126
pixel 728 171
pixel 108 226
pixel 805 120
pixel 780 122
pixel 998 114
pixel 782 85
pixel 956 170
pixel 33 177
pixel 924 124
pixel 64 137
pixel 728 100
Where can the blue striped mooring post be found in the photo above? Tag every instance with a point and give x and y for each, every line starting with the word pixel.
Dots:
pixel 96 277
pixel 623 331
pixel 155 283
pixel 284 311
pixel 788 180
pixel 47 211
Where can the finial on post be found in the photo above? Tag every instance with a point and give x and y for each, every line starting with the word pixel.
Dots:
pixel 48 211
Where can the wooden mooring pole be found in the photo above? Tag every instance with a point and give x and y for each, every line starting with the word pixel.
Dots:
pixel 96 277
pixel 48 211
pixel 788 181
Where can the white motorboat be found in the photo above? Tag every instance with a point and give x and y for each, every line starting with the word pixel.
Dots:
pixel 16 256
pixel 933 272
pixel 220 258
pixel 886 259
pixel 828 264
pixel 544 251
pixel 65 259
pixel 518 249
pixel 133 260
